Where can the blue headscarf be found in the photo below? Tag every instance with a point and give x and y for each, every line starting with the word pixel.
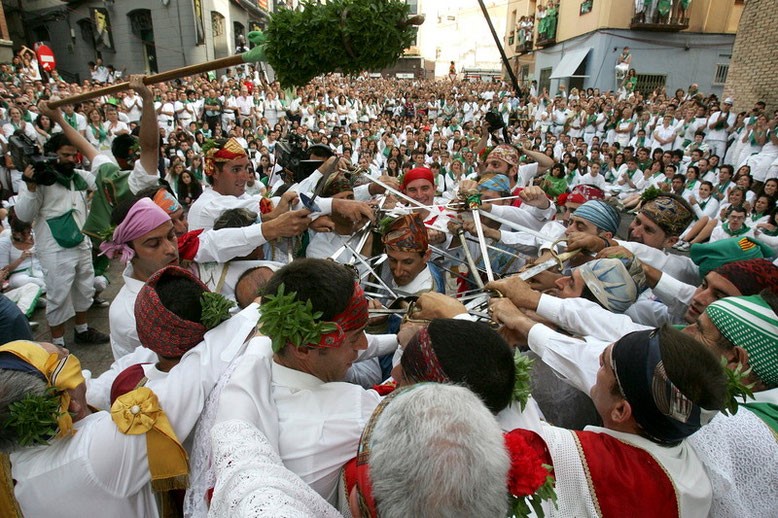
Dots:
pixel 601 214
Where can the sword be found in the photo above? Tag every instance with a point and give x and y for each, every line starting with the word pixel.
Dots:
pixel 470 262
pixel 515 226
pixel 482 244
pixel 449 256
pixel 378 277
pixel 547 264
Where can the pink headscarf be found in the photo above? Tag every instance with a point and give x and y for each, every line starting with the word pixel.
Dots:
pixel 143 217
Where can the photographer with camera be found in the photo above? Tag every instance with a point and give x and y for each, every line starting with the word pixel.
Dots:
pixel 54 198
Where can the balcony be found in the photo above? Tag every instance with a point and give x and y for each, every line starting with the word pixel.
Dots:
pixel 545 40
pixel 661 20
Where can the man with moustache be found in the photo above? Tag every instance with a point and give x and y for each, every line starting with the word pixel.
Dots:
pixel 656 227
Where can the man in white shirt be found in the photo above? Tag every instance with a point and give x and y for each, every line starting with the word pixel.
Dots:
pixel 165 114
pixel 319 418
pixel 133 106
pixel 718 124
pixel 185 110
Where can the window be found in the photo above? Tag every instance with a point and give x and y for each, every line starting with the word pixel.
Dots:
pixel 545 79
pixel 414 4
pixel 722 69
pixel 647 83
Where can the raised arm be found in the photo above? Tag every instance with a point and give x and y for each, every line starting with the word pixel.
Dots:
pixel 149 129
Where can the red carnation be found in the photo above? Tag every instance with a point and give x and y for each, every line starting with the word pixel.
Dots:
pixel 528 454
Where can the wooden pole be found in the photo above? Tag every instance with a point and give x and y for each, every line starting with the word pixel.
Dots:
pixel 497 42
pixel 176 73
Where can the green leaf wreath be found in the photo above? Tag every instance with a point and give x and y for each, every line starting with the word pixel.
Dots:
pixel 215 309
pixel 284 319
pixel 33 419
pixel 523 384
pixel 736 388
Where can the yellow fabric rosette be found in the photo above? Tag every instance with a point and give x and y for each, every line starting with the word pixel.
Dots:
pixel 138 412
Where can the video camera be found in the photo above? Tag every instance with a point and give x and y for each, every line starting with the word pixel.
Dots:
pixel 293 156
pixel 25 151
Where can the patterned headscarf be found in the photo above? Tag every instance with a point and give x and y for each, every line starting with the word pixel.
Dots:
pixel 336 184
pixel 615 283
pixel 229 151
pixel 406 234
pixel 352 318
pixel 671 213
pixel 663 412
pixel 751 276
pixel 167 201
pixel 750 323
pixel 506 153
pixel 419 361
pixel 160 329
pixel 498 183
pixel 602 215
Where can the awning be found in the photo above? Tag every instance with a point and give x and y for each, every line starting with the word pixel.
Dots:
pixel 569 63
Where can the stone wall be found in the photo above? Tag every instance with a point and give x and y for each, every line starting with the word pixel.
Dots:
pixel 754 58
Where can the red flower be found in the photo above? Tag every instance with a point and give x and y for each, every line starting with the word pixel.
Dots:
pixel 385 388
pixel 265 205
pixel 528 454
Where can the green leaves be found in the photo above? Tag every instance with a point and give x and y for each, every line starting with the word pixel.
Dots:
pixel 284 319
pixel 522 385
pixel 341 35
pixel 735 386
pixel 650 193
pixel 215 309
pixel 33 420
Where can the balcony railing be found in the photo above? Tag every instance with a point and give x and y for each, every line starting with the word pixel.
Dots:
pixel 654 18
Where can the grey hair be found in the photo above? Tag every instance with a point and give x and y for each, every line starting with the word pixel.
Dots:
pixel 437 451
pixel 14 386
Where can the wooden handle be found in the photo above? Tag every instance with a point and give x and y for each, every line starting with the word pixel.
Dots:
pixel 176 73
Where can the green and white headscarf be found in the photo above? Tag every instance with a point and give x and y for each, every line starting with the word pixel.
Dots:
pixel 750 323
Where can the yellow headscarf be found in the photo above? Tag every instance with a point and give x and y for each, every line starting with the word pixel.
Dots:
pixel 61 373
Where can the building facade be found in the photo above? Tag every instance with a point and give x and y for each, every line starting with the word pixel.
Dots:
pixel 138 36
pixel 755 57
pixel 577 42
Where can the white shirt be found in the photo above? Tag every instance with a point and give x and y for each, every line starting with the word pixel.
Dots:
pixel 133 111
pixel 121 316
pixel 318 424
pixel 210 205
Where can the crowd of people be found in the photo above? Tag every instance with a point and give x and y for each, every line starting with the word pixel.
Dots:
pixel 375 297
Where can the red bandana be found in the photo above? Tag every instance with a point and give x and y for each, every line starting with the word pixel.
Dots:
pixel 418 173
pixel 352 318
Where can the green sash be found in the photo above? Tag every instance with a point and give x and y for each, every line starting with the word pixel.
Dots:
pixel 767 412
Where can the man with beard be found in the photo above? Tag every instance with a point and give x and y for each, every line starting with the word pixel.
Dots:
pixel 59 212
pixel 656 227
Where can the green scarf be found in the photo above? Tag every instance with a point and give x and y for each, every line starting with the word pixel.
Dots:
pixel 72 120
pixel 99 133
pixel 78 182
pixel 767 412
pixel 740 232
